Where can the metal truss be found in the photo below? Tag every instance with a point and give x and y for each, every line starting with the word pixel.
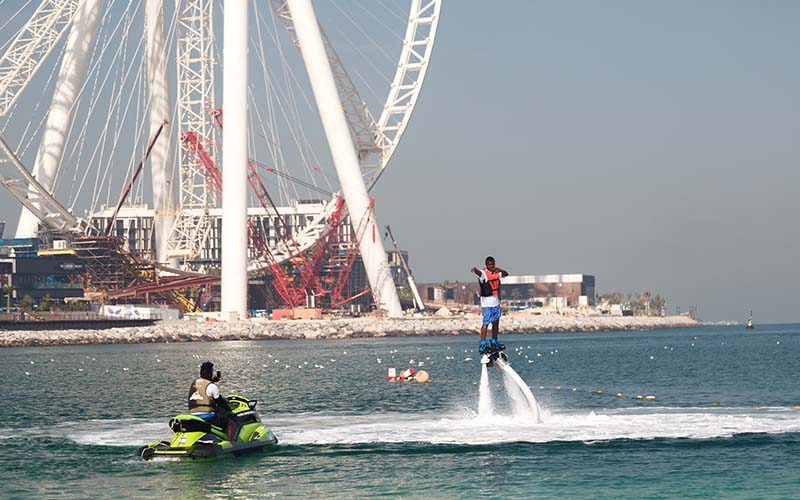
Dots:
pixel 16 178
pixel 380 137
pixel 414 59
pixel 31 47
pixel 195 62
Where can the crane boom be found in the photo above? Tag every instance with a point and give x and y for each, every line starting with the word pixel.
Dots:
pixel 136 173
pixel 411 284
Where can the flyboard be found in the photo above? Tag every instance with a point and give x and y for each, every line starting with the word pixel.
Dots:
pixel 499 359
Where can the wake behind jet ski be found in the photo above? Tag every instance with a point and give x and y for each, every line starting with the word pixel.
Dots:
pixel 194 437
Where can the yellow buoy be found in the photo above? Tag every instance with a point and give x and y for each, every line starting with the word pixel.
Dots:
pixel 638 396
pixel 650 398
pixel 558 387
pixel 619 394
pixel 599 391
pixel 714 404
pixel 422 377
pixel 796 407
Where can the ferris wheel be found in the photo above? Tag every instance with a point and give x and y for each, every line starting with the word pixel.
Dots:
pixel 122 72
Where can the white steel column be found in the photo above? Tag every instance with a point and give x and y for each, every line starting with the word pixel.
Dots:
pixel 68 86
pixel 158 93
pixel 234 158
pixel 334 122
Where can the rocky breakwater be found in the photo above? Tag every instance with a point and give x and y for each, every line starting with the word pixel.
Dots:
pixel 191 331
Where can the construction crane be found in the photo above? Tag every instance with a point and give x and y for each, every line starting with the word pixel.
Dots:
pixel 351 251
pixel 136 173
pixel 291 294
pixel 284 232
pixel 414 292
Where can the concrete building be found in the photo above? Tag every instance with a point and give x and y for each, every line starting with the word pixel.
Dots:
pixel 560 290
pixel 134 226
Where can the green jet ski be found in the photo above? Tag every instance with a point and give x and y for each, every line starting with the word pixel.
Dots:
pixel 195 438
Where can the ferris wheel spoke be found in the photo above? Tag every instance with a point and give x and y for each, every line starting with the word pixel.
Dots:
pixel 125 90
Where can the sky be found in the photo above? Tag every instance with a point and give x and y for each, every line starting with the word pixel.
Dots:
pixel 650 144
pixel 653 145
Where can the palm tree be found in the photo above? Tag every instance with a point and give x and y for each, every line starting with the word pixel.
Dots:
pixel 9 291
pixel 659 304
pixel 46 302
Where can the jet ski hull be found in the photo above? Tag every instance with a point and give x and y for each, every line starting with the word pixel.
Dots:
pixel 196 438
pixel 162 449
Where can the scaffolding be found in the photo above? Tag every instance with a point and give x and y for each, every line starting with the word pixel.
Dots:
pixel 106 267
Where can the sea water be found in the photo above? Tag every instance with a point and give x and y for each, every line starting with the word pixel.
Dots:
pixel 721 424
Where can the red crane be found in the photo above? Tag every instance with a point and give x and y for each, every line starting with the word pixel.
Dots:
pixel 282 230
pixel 291 294
pixel 333 245
pixel 350 249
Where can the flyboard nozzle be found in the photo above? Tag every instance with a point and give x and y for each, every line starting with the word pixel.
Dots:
pixel 491 358
pixel 501 361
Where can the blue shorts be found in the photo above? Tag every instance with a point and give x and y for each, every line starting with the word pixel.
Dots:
pixel 490 314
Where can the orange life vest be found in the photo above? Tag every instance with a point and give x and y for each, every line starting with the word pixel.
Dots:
pixel 492 284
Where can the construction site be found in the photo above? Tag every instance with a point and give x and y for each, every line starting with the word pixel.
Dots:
pixel 295 227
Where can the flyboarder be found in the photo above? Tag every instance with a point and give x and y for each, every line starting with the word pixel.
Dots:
pixel 489 279
pixel 206 402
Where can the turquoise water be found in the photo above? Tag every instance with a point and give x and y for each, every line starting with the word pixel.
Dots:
pixel 73 417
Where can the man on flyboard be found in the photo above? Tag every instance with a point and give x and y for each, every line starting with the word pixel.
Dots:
pixel 489 279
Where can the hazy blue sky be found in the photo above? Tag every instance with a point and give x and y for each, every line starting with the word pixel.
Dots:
pixel 651 144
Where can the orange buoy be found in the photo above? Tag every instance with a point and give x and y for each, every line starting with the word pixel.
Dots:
pixel 422 377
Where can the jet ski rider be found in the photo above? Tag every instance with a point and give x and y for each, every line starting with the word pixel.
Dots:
pixel 206 402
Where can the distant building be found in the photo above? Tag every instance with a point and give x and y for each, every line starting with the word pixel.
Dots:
pixel 38 273
pixel 134 226
pixel 396 267
pixel 561 290
pixel 57 276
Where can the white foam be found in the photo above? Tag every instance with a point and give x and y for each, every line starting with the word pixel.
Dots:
pixel 122 432
pixel 580 426
pixel 466 427
pixel 519 404
pixel 9 434
pixel 485 404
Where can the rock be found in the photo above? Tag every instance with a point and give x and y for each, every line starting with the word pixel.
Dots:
pixel 442 324
pixel 444 312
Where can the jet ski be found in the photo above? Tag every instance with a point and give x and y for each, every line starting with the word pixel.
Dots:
pixel 195 438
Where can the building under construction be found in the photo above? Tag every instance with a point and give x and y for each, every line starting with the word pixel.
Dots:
pixel 119 267
pixel 104 113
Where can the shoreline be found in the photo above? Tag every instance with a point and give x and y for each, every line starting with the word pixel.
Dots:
pixel 192 331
